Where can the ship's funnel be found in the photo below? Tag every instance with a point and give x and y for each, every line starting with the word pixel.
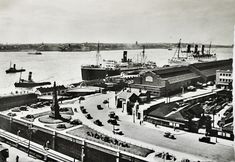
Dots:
pixel 202 50
pixel 14 66
pixel 188 48
pixel 196 49
pixel 30 76
pixel 124 59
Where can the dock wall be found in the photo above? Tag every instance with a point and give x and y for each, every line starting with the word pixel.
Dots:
pixel 78 148
pixel 7 102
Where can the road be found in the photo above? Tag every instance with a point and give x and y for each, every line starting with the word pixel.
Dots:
pixel 185 142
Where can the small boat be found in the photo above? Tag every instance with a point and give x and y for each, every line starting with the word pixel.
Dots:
pixel 35 53
pixel 29 83
pixel 14 70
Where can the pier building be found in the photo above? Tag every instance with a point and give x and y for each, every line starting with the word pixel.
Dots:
pixel 224 78
pixel 171 80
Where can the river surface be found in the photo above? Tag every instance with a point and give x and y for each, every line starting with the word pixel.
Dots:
pixel 65 67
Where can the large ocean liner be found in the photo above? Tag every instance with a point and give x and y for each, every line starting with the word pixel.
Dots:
pixel 111 67
pixel 189 56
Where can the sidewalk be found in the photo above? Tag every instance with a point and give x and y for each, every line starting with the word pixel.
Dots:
pixel 149 136
pixel 92 106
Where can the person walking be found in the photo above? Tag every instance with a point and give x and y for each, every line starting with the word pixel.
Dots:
pixel 17 158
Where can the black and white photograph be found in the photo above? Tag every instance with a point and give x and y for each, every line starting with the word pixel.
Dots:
pixel 117 80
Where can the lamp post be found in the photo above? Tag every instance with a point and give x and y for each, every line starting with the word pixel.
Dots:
pixel 46 147
pixel 18 134
pixel 182 91
pixel 31 130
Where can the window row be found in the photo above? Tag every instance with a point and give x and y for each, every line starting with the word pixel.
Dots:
pixel 225 74
pixel 225 80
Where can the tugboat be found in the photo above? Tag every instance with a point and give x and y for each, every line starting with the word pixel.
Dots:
pixel 29 83
pixel 191 56
pixel 35 53
pixel 13 69
pixel 111 67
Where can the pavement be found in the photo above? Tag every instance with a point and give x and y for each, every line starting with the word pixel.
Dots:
pixel 146 135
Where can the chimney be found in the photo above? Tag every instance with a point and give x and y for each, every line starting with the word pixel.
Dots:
pixel 202 50
pixel 196 49
pixel 124 59
pixel 14 66
pixel 188 48
pixel 30 76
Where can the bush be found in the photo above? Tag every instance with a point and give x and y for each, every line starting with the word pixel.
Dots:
pixel 11 114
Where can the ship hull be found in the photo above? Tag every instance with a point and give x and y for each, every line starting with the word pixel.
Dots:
pixel 30 85
pixel 10 101
pixel 98 73
pixel 190 61
pixel 89 73
pixel 15 71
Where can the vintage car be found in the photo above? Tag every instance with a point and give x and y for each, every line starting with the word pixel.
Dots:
pixel 169 135
pixel 205 139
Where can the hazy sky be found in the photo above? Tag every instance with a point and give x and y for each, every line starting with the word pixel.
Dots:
pixel 31 21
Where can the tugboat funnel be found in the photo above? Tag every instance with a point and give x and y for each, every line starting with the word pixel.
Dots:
pixel 124 59
pixel 30 76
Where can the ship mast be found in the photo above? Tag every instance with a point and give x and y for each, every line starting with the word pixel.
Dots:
pixel 179 46
pixel 98 54
pixel 209 48
pixel 20 77
pixel 143 55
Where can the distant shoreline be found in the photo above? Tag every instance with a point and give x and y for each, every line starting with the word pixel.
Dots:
pixel 85 47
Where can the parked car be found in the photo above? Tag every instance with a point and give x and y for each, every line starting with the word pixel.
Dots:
pixel 204 85
pixel 61 126
pixel 191 88
pixel 29 116
pixel 88 116
pixel 117 131
pixel 81 107
pixel 111 114
pixel 34 106
pixel 112 121
pixel 11 114
pixel 46 103
pixel 23 108
pixel 210 83
pixel 169 135
pixel 98 122
pixel 84 111
pixel 99 107
pixel 205 139
pixel 15 109
pixel 76 122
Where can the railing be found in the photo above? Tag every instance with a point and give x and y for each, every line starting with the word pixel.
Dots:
pixel 34 148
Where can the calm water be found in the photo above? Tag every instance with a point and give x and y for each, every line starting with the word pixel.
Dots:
pixel 65 67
